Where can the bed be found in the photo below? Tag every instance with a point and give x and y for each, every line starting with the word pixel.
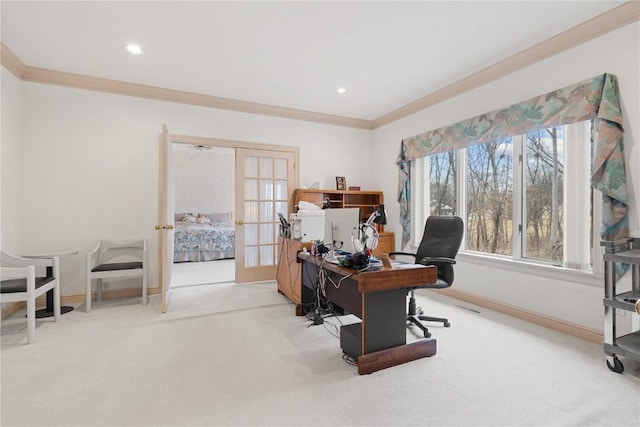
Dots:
pixel 203 237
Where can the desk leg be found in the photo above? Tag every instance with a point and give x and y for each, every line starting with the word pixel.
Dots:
pixel 48 311
pixel 384 320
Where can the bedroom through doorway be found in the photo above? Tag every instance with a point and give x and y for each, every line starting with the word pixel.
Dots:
pixel 204 202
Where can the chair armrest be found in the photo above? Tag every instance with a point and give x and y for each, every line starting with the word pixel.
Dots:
pixel 402 253
pixel 431 260
pixel 93 256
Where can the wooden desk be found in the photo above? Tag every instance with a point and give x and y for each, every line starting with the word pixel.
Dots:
pixel 288 272
pixel 378 298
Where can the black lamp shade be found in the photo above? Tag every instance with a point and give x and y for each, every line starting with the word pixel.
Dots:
pixel 382 215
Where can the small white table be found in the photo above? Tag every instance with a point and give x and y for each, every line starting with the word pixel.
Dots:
pixel 48 311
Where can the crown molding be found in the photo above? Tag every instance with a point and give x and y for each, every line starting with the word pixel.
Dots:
pixel 11 62
pixel 613 19
pixel 618 17
pixel 78 81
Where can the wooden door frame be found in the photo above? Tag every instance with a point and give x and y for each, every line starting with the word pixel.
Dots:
pixel 230 143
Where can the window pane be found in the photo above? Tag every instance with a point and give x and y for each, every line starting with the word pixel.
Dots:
pixel 266 167
pixel 266 212
pixel 442 183
pixel 282 207
pixel 250 166
pixel 266 189
pixel 281 190
pixel 267 234
pixel 251 234
pixel 490 197
pixel 251 256
pixel 543 187
pixel 250 212
pixel 281 168
pixel 267 255
pixel 251 189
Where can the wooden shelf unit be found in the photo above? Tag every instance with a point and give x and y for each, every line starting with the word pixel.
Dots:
pixel 365 200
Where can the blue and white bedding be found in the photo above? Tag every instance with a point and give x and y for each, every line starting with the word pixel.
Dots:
pixel 203 241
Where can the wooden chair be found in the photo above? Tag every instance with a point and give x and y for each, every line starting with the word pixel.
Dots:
pixel 116 259
pixel 19 283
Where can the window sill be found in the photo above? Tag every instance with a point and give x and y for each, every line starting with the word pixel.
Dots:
pixel 557 273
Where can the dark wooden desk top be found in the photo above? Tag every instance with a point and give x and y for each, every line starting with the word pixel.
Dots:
pixel 383 279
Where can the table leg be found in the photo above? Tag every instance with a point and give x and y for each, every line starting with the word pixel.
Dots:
pixel 48 311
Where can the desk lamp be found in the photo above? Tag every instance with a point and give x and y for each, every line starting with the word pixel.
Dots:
pixel 366 238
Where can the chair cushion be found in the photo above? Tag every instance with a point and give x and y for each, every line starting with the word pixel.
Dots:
pixel 11 286
pixel 118 266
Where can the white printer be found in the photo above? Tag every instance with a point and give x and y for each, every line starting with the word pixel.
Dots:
pixel 307 225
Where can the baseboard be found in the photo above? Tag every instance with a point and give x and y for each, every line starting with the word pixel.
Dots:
pixel 13 307
pixel 550 322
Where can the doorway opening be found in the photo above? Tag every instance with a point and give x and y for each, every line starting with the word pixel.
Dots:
pixel 204 204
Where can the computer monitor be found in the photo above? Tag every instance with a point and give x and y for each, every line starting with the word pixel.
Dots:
pixel 338 226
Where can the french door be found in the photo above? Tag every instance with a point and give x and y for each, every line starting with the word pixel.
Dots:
pixel 166 217
pixel 264 187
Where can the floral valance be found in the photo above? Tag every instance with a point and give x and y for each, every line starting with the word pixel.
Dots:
pixel 597 98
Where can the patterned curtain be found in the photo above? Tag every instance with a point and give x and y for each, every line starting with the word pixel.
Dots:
pixel 597 98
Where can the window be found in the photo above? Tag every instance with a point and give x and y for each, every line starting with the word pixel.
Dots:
pixel 442 183
pixel 527 197
pixel 489 201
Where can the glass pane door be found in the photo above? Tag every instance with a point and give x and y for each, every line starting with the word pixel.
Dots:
pixel 266 179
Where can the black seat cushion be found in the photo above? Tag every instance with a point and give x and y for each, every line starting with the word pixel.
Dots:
pixel 118 266
pixel 11 286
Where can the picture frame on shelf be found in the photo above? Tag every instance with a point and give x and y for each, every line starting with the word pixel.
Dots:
pixel 341 183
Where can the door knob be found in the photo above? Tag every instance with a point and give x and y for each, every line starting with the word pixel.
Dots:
pixel 239 222
pixel 164 227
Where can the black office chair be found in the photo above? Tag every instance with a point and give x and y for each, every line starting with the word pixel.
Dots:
pixel 439 246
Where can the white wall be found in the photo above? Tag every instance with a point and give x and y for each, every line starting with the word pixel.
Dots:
pixel 10 179
pixel 90 166
pixel 203 179
pixel 618 53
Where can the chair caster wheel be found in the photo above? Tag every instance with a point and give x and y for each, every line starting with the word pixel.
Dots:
pixel 617 365
pixel 427 334
pixel 447 324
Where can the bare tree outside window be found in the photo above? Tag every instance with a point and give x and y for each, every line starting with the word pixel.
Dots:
pixel 490 197
pixel 442 183
pixel 544 195
pixel 515 198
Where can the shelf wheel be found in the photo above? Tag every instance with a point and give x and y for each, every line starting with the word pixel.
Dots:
pixel 617 366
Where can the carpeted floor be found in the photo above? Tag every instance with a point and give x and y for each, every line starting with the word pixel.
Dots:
pixel 231 354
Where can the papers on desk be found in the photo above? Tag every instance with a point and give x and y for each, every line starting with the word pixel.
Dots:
pixel 405 265
pixel 332 260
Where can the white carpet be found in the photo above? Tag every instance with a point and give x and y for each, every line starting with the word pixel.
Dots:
pixel 198 273
pixel 236 355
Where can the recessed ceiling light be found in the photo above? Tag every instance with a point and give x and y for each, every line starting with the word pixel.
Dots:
pixel 341 90
pixel 134 49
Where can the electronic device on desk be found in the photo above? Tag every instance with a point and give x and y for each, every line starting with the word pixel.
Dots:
pixel 338 228
pixel 285 227
pixel 365 237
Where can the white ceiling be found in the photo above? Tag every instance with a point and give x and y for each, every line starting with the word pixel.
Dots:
pixel 287 54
